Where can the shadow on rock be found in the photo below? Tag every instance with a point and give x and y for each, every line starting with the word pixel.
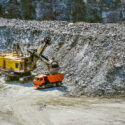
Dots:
pixel 28 84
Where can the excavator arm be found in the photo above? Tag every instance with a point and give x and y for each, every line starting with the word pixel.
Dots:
pixel 45 42
pixel 52 65
pixel 35 56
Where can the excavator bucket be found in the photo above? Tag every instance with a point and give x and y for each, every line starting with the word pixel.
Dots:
pixel 47 40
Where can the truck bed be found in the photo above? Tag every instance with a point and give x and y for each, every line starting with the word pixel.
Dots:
pixel 55 77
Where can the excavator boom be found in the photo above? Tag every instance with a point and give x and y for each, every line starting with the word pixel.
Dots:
pixel 37 55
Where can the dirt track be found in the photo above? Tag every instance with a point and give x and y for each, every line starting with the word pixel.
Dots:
pixel 23 105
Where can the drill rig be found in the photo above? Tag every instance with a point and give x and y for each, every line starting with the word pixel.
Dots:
pixel 17 66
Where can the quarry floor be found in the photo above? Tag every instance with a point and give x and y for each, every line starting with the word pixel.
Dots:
pixel 24 105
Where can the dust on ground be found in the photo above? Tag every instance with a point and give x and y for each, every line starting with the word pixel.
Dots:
pixel 21 104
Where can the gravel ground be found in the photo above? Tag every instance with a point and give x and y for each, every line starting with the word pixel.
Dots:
pixel 23 105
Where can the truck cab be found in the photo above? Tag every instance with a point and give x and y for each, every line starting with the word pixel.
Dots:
pixel 38 81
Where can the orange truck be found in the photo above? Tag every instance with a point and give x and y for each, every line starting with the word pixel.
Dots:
pixel 44 81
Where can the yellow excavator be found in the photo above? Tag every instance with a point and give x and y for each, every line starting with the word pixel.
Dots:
pixel 17 66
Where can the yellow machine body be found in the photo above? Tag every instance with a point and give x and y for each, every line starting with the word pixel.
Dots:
pixel 12 62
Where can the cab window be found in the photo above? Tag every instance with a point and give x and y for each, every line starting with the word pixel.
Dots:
pixel 40 79
pixel 16 65
pixel 36 79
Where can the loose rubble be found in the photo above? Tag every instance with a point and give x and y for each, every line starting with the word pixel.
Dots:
pixel 91 55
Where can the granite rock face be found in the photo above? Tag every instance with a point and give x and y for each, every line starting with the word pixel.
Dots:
pixel 68 10
pixel 92 55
